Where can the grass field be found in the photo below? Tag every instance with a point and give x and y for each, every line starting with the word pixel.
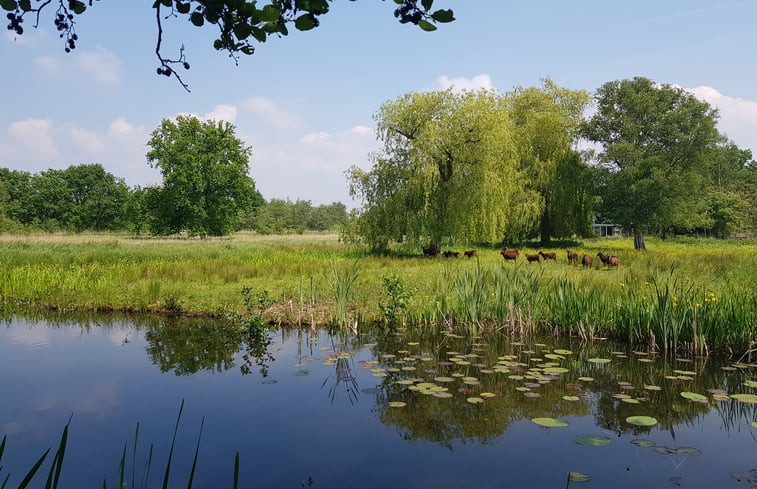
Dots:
pixel 700 294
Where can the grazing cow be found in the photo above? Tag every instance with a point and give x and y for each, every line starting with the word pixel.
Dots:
pixel 509 254
pixel 535 257
pixel 614 261
pixel 451 254
pixel 605 258
pixel 432 250
pixel 471 253
pixel 549 255
pixel 587 261
pixel 572 256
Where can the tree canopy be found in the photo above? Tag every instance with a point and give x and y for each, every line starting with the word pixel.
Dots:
pixel 205 177
pixel 655 143
pixel 241 24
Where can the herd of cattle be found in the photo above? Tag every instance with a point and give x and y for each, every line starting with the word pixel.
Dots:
pixel 513 254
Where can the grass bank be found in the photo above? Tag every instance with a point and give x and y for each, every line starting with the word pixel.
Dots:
pixel 699 294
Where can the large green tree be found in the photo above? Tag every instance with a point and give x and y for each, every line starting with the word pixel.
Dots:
pixel 448 168
pixel 655 139
pixel 546 121
pixel 240 24
pixel 206 186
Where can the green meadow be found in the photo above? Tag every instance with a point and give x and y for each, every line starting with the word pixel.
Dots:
pixel 699 295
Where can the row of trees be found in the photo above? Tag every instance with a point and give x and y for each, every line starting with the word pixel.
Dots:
pixel 481 166
pixel 206 190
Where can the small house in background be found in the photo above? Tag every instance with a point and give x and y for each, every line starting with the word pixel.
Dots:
pixel 608 230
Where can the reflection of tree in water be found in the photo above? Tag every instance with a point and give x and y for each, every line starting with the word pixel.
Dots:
pixel 256 343
pixel 343 374
pixel 188 346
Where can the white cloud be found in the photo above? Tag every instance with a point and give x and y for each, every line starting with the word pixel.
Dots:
pixel 30 37
pixel 273 114
pixel 461 84
pixel 738 117
pixel 122 129
pixel 313 137
pixel 363 130
pixel 222 112
pixel 102 64
pixel 86 140
pixel 35 138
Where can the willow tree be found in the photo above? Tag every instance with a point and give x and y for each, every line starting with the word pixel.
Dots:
pixel 546 121
pixel 448 169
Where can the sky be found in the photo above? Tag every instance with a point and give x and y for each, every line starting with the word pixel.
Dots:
pixel 305 103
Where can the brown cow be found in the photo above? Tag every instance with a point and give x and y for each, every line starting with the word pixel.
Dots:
pixel 549 255
pixel 614 261
pixel 572 256
pixel 451 254
pixel 535 257
pixel 432 250
pixel 471 253
pixel 605 258
pixel 509 254
pixel 587 261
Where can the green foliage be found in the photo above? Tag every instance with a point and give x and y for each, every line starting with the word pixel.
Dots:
pixel 284 216
pixel 343 278
pixel 205 177
pixel 255 307
pixel 655 143
pixel 394 311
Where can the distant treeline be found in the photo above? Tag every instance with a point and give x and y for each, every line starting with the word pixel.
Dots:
pixel 88 198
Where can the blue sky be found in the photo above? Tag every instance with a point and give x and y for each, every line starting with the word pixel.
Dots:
pixel 305 103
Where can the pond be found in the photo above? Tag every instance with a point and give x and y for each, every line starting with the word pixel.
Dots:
pixel 371 409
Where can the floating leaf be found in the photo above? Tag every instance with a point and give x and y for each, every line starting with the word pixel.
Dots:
pixel 443 379
pixel 693 452
pixel 641 420
pixel 270 382
pixel 592 440
pixel 630 401
pixel 550 422
pixel 571 398
pixel 555 370
pixel 564 352
pixel 598 360
pixel 684 372
pixel 397 404
pixel 643 443
pixel 475 400
pixel 754 424
pixel 751 383
pixel 488 395
pixel 653 387
pixel 578 477
pixel 586 379
pixel 747 398
pixel 693 396
pixel 441 395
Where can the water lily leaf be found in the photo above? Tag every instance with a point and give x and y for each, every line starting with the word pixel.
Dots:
pixel 441 395
pixel 405 382
pixel 664 450
pixel 299 365
pixel 443 379
pixel 531 394
pixel 397 404
pixel 563 352
pixel 751 383
pixel 630 401
pixel 684 372
pixel 598 360
pixel 475 400
pixel 694 452
pixel 586 379
pixel 643 443
pixel 302 373
pixel 571 398
pixel 550 422
pixel 754 424
pixel 693 396
pixel 646 360
pixel 488 395
pixel 653 387
pixel 641 420
pixel 270 382
pixel 555 370
pixel 592 440
pixel 388 356
pixel 554 356
pixel 748 477
pixel 578 477
pixel 746 398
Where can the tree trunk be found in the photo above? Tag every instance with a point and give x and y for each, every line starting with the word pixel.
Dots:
pixel 546 228
pixel 638 240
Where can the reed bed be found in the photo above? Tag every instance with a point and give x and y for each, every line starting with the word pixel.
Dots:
pixel 695 294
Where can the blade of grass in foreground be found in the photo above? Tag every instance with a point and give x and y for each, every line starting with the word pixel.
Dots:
pixel 33 470
pixel 55 468
pixel 173 442
pixel 197 451
pixel 236 471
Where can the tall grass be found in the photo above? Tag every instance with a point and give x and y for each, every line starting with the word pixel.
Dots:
pixel 314 279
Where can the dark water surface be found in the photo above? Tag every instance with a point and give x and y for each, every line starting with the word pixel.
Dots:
pixel 302 415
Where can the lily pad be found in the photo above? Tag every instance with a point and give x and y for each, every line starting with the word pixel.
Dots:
pixel 592 440
pixel 693 396
pixel 550 422
pixel 397 404
pixel 691 451
pixel 652 387
pixel 555 370
pixel 586 379
pixel 643 443
pixel 598 360
pixel 443 379
pixel 684 372
pixel 441 394
pixel 751 383
pixel 475 400
pixel 641 420
pixel 578 477
pixel 754 424
pixel 571 398
pixel 270 382
pixel 488 395
pixel 746 398
pixel 563 352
